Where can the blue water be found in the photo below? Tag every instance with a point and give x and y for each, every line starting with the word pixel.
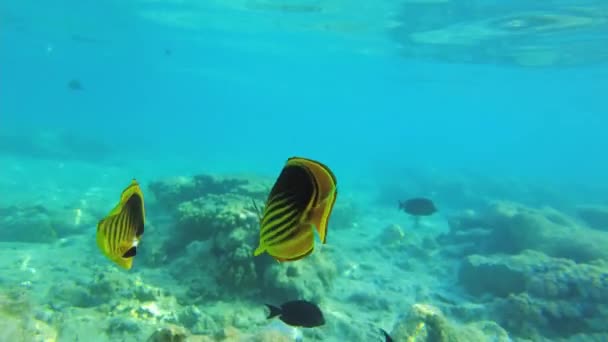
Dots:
pixel 207 100
pixel 241 88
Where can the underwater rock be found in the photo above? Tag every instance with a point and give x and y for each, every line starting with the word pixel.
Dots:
pixel 422 322
pixel 507 227
pixel 37 223
pixel 277 331
pixel 17 322
pixel 478 275
pixel 26 224
pixel 536 294
pixel 14 329
pixel 197 321
pixel 69 293
pixel 172 192
pixel 426 323
pixel 204 217
pixel 122 326
pixel 391 236
pixel 594 216
pixel 309 280
pixel 170 333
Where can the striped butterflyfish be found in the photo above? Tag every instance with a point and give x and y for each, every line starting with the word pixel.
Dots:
pixel 299 203
pixel 119 233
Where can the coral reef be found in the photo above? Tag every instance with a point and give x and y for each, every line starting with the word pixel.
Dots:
pixel 507 227
pixel 170 193
pixel 170 333
pixel 17 321
pixel 595 216
pixel 216 231
pixel 538 294
pixel 392 236
pixel 540 273
pixel 36 223
pixel 310 280
pixel 426 323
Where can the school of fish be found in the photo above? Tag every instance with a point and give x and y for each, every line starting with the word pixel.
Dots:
pixel 299 204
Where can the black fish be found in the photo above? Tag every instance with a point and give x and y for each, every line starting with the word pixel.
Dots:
pixel 75 85
pixel 387 337
pixel 298 313
pixel 418 206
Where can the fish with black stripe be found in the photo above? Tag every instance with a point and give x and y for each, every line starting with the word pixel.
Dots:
pixel 119 233
pixel 300 201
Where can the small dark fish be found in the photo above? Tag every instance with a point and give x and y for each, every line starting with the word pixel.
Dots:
pixel 418 206
pixel 75 85
pixel 168 52
pixel 298 313
pixel 387 337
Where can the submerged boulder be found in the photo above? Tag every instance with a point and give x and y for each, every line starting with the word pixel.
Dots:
pixel 508 227
pixel 426 323
pixel 595 216
pixel 537 295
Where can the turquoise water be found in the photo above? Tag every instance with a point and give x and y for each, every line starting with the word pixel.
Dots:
pixel 495 111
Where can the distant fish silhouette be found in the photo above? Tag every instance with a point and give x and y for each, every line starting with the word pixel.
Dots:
pixel 168 52
pixel 75 85
pixel 418 207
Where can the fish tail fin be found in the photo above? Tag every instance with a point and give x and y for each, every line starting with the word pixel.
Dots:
pixel 274 311
pixel 387 337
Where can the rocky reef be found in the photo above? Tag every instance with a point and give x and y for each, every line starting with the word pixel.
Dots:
pixel 424 322
pixel 539 273
pixel 37 223
pixel 508 227
pixel 17 320
pixel 535 295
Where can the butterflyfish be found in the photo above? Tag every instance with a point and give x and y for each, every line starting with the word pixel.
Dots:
pixel 299 203
pixel 119 233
